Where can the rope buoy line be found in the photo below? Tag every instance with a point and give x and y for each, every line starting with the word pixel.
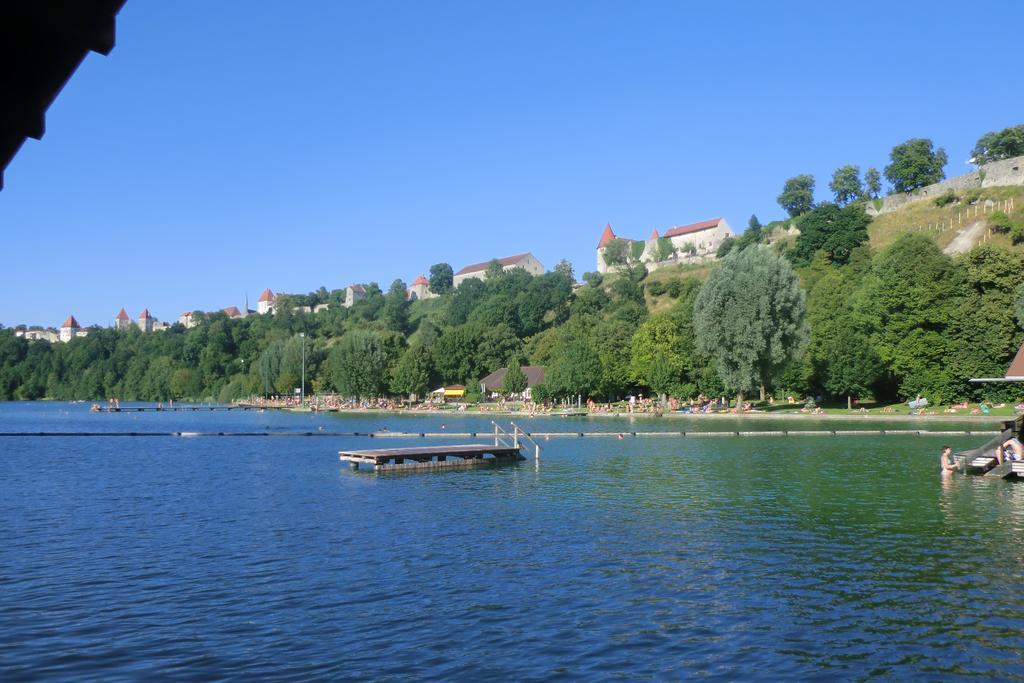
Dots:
pixel 546 435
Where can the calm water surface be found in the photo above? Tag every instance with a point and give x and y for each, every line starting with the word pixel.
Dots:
pixel 234 558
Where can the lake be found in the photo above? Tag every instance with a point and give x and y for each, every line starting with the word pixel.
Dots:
pixel 812 557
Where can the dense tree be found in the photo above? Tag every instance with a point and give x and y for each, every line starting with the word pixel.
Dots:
pixel 664 249
pixel 564 268
pixel 749 318
pixel 914 164
pixel 515 380
pixel 846 185
pixel 616 252
pixel 982 334
pixel 833 230
pixel 412 373
pixel 441 278
pixel 725 247
pixel 841 360
pixel 872 183
pixel 575 369
pixel 361 363
pixel 663 345
pixel 996 146
pixel 797 195
pixel 904 307
pixel 395 312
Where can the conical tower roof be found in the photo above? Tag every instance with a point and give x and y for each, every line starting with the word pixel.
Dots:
pixel 71 322
pixel 606 236
pixel 122 314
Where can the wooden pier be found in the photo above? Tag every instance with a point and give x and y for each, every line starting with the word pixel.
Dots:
pixel 168 409
pixel 432 457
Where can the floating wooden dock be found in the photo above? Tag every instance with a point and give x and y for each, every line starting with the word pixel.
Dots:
pixel 432 457
pixel 983 460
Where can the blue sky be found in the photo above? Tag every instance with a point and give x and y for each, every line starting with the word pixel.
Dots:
pixel 228 146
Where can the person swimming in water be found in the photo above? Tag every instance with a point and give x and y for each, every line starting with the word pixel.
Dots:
pixel 946 462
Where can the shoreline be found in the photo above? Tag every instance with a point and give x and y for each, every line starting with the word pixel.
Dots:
pixel 857 417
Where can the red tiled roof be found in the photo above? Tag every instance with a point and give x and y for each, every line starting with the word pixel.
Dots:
pixel 122 315
pixel 693 227
pixel 654 234
pixel 421 280
pixel 1016 368
pixel 233 312
pixel 145 314
pixel 606 236
pixel 71 322
pixel 507 261
pixel 267 295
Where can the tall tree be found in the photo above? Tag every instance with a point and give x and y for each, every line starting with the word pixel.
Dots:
pixel 872 183
pixel 749 318
pixel 412 372
pixel 996 146
pixel 361 363
pixel 666 337
pixel 564 268
pixel 982 333
pixel 441 277
pixel 914 164
pixel 575 369
pixel 904 307
pixel 841 357
pixel 845 185
pixel 833 230
pixel 515 380
pixel 395 312
pixel 616 252
pixel 797 195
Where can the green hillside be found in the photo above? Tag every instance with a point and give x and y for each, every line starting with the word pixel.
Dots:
pixel 943 223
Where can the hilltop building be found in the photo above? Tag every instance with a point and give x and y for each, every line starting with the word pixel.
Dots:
pixel 527 262
pixel 353 293
pixel 146 321
pixel 122 321
pixel 420 289
pixel 188 319
pixel 70 329
pixel 693 242
pixel 233 312
pixel 38 333
pixel 266 303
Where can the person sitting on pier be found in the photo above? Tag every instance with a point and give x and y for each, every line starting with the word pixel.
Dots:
pixel 946 462
pixel 1012 449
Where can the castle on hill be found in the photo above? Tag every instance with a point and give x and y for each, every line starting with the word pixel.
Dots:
pixel 682 244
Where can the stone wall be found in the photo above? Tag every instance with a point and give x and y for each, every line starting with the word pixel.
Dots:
pixel 996 174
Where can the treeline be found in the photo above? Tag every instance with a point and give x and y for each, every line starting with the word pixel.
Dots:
pixel 908 320
pixel 818 315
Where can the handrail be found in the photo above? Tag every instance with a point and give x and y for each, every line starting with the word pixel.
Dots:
pixel 519 430
pixel 498 441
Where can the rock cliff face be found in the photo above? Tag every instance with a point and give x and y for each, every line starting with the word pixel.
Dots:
pixel 996 174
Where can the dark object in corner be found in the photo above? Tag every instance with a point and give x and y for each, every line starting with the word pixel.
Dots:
pixel 42 42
